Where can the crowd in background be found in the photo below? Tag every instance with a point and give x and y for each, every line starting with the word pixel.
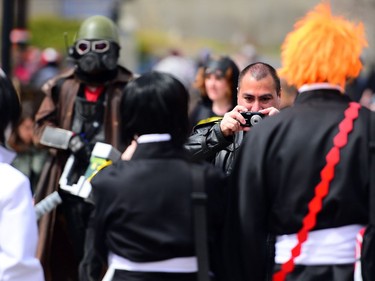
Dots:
pixel 216 96
pixel 32 67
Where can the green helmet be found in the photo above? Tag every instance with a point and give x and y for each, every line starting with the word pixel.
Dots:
pixel 99 28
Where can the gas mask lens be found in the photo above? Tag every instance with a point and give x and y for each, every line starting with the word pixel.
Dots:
pixel 85 46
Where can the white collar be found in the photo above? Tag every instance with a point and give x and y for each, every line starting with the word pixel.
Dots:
pixel 6 155
pixel 319 86
pixel 153 138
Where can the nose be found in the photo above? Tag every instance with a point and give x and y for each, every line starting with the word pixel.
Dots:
pixel 209 81
pixel 255 106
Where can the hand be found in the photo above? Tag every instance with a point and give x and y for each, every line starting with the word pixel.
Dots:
pixel 232 120
pixel 269 111
pixel 80 148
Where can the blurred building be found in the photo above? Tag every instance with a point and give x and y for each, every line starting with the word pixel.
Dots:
pixel 261 23
pixel 71 8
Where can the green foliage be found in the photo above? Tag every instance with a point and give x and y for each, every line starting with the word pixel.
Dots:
pixel 157 42
pixel 49 31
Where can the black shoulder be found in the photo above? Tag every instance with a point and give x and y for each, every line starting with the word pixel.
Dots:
pixel 124 74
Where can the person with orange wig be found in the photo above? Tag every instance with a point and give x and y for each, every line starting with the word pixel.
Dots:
pixel 301 185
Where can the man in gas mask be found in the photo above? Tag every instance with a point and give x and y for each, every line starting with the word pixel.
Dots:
pixel 83 100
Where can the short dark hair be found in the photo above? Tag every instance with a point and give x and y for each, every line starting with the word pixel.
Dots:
pixel 260 70
pixel 10 108
pixel 155 103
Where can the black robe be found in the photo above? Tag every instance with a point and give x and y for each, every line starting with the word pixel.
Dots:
pixel 274 179
pixel 143 210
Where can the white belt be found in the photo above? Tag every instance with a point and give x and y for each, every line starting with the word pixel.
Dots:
pixel 175 265
pixel 326 246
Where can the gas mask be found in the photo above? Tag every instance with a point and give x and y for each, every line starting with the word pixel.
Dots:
pixel 95 56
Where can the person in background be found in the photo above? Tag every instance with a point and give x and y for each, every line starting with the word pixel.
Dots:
pixel 300 188
pixel 217 84
pixel 82 100
pixel 289 94
pixel 218 141
pixel 247 54
pixel 181 67
pixel 25 57
pixel 29 159
pixel 18 226
pixel 142 221
pixel 50 66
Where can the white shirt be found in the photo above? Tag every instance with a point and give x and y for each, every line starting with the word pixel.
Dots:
pixel 18 225
pixel 153 138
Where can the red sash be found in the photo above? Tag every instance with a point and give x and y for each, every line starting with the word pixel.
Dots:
pixel 322 189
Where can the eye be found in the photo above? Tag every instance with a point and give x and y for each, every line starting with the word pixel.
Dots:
pixel 249 98
pixel 266 99
pixel 83 47
pixel 100 46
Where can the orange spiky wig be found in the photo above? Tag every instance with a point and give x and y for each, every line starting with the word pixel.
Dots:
pixel 322 48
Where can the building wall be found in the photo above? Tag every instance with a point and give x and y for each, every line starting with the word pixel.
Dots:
pixel 70 8
pixel 264 23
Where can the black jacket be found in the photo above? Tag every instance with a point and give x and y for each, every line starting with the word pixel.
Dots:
pixel 143 208
pixel 208 143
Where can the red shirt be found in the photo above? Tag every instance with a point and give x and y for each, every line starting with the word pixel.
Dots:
pixel 93 94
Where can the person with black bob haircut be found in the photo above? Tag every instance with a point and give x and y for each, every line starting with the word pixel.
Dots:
pixel 158 105
pixel 142 220
pixel 18 226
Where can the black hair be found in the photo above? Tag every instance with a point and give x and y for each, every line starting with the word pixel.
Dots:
pixel 260 70
pixel 155 103
pixel 10 108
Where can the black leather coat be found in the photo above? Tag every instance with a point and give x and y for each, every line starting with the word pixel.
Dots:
pixel 208 143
